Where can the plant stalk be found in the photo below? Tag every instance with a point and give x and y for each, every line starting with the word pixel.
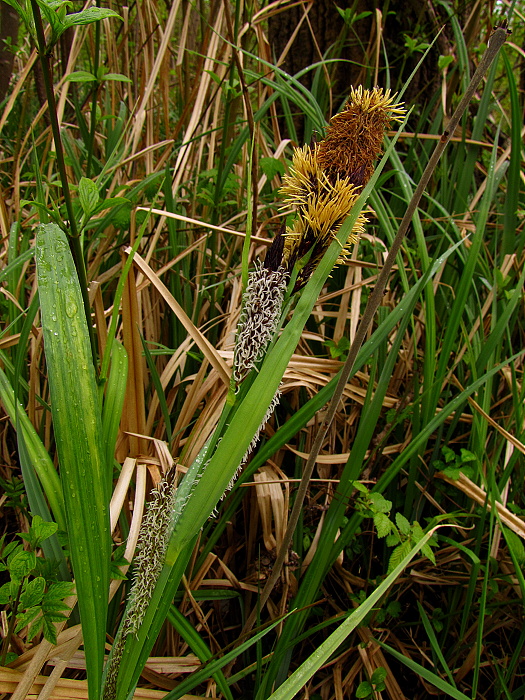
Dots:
pixel 96 63
pixel 74 236
pixel 496 41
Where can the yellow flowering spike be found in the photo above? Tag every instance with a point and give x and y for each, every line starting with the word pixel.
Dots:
pixel 355 135
pixel 325 179
pixel 321 206
pixel 306 178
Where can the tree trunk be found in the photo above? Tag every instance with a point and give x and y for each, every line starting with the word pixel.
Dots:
pixel 8 41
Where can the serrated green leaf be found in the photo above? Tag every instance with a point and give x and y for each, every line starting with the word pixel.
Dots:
pixel 403 524
pixel 26 617
pixel 5 593
pixel 393 539
pixel 22 564
pixel 51 607
pixel 380 503
pixel 426 549
pixel 452 473
pixel 60 590
pixel 88 195
pixel 448 454
pixel 271 167
pixel 33 593
pixel 36 628
pixel 417 532
pixel 383 524
pixel 399 553
pixel 49 630
pixel 53 616
pixel 42 530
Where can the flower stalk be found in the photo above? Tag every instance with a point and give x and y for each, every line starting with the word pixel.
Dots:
pixel 323 185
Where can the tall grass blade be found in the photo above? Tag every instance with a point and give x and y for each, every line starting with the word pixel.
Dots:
pixel 78 433
pixel 510 219
pixel 419 670
pixel 303 674
pixel 37 455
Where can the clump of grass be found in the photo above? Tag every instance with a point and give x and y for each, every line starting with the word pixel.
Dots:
pixel 436 390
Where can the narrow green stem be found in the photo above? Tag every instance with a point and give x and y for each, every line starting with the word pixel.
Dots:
pixel 73 238
pixel 12 625
pixel 96 63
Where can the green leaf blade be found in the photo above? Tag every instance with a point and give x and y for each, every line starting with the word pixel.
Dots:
pixel 77 426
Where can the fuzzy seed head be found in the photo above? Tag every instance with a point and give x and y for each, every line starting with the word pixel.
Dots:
pixel 154 536
pixel 262 302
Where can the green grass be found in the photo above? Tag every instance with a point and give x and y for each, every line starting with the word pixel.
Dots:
pixel 437 384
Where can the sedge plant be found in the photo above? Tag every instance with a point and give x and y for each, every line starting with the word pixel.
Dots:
pixel 318 195
pixel 323 187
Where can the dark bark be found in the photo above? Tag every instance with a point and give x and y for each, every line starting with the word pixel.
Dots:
pixel 8 40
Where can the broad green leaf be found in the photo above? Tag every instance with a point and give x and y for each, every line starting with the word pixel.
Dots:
pixel 77 425
pixel 92 14
pixel 22 564
pixel 365 690
pixel 33 592
pixel 117 76
pixel 88 195
pixel 114 398
pixel 81 76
